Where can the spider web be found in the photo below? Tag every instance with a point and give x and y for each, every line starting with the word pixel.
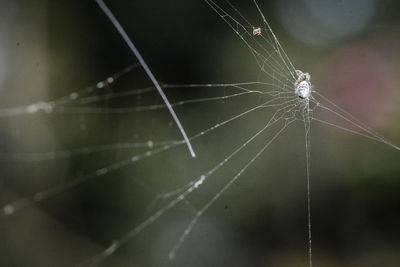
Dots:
pixel 269 103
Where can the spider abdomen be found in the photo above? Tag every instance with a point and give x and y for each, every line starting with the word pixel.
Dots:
pixel 303 89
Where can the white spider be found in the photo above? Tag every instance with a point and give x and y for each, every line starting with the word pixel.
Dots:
pixel 303 85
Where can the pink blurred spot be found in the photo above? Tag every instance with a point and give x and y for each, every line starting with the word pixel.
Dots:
pixel 362 80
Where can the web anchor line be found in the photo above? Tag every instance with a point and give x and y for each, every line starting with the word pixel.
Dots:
pixel 133 48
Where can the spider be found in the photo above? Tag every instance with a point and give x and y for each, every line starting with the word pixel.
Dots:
pixel 303 85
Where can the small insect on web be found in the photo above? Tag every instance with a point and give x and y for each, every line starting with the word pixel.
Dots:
pixel 257 31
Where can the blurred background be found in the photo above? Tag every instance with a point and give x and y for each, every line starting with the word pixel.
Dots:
pixel 50 49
